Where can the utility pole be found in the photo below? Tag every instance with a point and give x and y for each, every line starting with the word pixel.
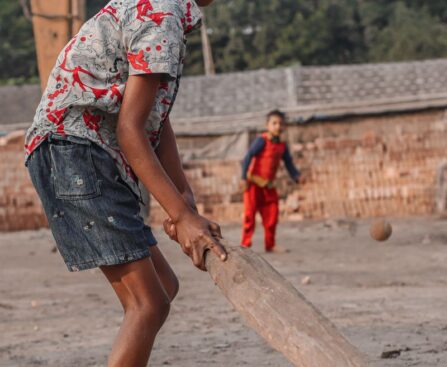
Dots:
pixel 206 49
pixel 54 24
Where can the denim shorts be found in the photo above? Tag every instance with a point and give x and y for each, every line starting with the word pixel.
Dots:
pixel 93 214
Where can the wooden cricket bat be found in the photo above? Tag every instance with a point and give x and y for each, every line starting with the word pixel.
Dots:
pixel 279 313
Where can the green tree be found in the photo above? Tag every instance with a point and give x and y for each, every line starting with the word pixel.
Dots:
pixel 248 34
pixel 410 34
pixel 328 33
pixel 17 53
pixel 252 34
pixel 18 63
pixel 437 8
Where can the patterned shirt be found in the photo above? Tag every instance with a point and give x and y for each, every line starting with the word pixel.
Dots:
pixel 85 89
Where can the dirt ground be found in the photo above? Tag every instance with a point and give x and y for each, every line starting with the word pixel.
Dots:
pixel 389 299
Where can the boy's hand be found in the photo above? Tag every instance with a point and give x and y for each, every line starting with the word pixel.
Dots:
pixel 243 185
pixel 169 227
pixel 196 234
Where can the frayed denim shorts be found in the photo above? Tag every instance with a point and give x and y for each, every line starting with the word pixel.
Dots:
pixel 93 214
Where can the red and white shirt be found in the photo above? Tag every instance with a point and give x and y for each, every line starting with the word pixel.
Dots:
pixel 85 89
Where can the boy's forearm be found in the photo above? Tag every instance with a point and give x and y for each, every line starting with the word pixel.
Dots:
pixel 137 103
pixel 169 158
pixel 147 167
pixel 255 148
pixel 245 164
pixel 294 173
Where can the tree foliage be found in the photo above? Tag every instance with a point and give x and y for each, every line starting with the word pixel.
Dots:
pixel 252 34
pixel 17 54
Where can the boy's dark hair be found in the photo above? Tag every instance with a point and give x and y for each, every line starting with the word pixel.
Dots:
pixel 277 113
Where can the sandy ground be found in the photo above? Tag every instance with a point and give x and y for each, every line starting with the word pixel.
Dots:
pixel 383 297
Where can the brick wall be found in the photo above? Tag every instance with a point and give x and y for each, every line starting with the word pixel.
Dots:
pixel 355 167
pixel 20 207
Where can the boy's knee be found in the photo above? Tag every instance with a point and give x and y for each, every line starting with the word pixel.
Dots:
pixel 150 311
pixel 157 312
pixel 173 288
pixel 163 309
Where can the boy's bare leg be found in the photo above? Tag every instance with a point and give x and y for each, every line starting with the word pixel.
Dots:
pixel 165 273
pixel 146 306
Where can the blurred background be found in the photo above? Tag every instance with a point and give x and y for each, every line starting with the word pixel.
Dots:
pixel 364 85
pixel 248 34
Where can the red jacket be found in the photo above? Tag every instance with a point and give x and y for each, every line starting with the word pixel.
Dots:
pixel 266 163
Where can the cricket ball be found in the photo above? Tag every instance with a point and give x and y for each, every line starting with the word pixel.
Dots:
pixel 380 230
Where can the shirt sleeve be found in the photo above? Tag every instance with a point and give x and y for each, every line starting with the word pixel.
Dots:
pixel 288 161
pixel 255 148
pixel 153 40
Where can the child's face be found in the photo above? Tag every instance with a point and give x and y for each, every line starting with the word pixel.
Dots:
pixel 204 2
pixel 275 125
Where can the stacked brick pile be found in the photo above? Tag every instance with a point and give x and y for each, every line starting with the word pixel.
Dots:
pixel 375 167
pixel 20 207
pixel 364 167
pixel 359 167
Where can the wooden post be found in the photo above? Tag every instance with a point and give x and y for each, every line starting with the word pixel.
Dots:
pixel 54 23
pixel 279 313
pixel 79 12
pixel 441 189
pixel 206 49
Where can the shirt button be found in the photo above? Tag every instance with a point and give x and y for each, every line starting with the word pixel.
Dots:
pixel 80 182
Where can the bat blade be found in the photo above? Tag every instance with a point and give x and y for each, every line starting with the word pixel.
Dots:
pixel 279 313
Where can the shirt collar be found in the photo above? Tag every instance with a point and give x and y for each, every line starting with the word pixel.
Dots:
pixel 192 16
pixel 272 138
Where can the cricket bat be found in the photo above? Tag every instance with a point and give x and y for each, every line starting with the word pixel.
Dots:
pixel 279 313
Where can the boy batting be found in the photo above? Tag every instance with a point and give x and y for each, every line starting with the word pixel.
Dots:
pixel 101 127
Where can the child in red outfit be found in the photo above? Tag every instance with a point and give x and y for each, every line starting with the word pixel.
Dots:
pixel 259 169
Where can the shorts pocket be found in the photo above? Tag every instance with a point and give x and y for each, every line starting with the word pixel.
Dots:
pixel 73 172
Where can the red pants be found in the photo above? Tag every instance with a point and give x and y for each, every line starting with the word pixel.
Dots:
pixel 265 201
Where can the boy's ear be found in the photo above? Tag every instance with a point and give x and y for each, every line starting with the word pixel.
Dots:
pixel 203 2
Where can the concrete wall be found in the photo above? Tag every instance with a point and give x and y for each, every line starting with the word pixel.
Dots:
pixel 18 103
pixel 260 90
